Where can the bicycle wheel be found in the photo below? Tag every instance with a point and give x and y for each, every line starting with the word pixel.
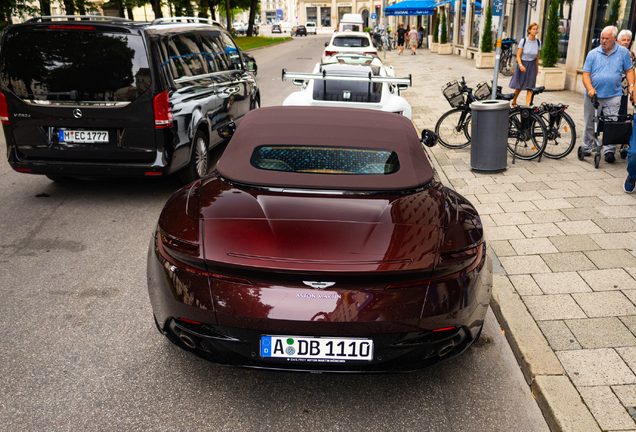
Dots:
pixel 454 133
pixel 505 65
pixel 561 135
pixel 527 137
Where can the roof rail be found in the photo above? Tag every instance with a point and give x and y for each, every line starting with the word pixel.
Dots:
pixel 82 17
pixel 184 19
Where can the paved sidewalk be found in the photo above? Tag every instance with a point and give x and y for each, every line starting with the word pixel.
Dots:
pixel 563 237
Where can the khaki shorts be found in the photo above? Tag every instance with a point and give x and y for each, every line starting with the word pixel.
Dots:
pixel 413 42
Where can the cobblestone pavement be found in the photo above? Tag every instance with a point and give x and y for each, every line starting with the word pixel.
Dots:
pixel 564 236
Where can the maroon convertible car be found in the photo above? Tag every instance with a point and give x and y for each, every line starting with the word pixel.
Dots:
pixel 321 242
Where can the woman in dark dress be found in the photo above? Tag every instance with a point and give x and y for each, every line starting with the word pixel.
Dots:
pixel 525 74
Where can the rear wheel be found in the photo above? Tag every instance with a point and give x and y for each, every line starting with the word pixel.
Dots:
pixel 561 135
pixel 198 166
pixel 453 133
pixel 505 67
pixel 527 138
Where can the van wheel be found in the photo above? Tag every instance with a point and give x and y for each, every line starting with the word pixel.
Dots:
pixel 59 178
pixel 198 166
pixel 255 104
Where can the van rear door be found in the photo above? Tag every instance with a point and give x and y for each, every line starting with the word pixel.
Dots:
pixel 78 92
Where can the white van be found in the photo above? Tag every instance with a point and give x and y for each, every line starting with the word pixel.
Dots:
pixel 311 27
pixel 351 22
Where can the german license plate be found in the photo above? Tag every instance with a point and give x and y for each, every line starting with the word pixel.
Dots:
pixel 317 349
pixel 80 136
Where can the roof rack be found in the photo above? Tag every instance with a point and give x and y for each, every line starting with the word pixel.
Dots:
pixel 184 19
pixel 82 17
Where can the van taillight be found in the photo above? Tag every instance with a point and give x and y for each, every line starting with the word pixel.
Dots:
pixel 4 110
pixel 163 112
pixel 330 53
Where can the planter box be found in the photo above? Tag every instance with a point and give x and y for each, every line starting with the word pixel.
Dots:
pixel 485 60
pixel 434 47
pixel 444 49
pixel 551 78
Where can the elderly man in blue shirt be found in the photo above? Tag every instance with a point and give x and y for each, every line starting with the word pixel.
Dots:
pixel 602 76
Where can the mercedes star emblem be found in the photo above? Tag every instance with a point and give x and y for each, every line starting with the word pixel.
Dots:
pixel 77 113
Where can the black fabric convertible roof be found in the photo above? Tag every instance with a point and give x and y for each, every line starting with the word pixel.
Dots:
pixel 326 126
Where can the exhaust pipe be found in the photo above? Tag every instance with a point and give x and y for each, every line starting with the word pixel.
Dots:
pixel 187 340
pixel 447 349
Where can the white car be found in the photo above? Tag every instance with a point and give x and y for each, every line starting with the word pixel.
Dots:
pixel 311 27
pixel 350 81
pixel 349 43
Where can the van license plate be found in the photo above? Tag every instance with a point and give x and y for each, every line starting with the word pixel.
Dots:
pixel 323 349
pixel 83 136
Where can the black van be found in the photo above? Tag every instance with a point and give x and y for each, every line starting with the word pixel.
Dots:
pixel 102 96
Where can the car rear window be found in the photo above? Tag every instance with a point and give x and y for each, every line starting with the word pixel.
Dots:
pixel 348 91
pixel 325 160
pixel 75 66
pixel 351 41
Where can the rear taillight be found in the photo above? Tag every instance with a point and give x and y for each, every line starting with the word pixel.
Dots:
pixel 452 266
pixel 185 255
pixel 330 53
pixel 4 110
pixel 371 52
pixel 163 112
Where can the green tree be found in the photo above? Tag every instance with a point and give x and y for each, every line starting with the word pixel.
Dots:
pixel 10 7
pixel 443 36
pixel 615 5
pixel 486 36
pixel 550 48
pixel 436 31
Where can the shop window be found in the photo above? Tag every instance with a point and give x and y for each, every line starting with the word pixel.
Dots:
pixel 343 10
pixel 325 16
pixel 474 40
pixel 604 13
pixel 312 14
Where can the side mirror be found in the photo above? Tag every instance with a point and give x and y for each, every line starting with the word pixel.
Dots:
pixel 226 131
pixel 429 138
pixel 251 67
pixel 326 44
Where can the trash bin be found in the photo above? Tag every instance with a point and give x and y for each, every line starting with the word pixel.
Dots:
pixel 489 135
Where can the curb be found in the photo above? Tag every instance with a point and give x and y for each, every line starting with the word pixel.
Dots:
pixel 556 396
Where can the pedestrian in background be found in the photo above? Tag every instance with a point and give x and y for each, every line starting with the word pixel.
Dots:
pixel 420 33
pixel 525 74
pixel 625 39
pixel 413 39
pixel 400 36
pixel 602 77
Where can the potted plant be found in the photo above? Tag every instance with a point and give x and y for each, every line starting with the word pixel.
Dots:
pixel 435 39
pixel 444 46
pixel 550 76
pixel 485 58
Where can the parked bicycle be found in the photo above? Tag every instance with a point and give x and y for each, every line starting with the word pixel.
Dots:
pixel 527 132
pixel 508 59
pixel 386 40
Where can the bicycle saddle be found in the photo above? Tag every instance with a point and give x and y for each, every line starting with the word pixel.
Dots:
pixel 536 90
pixel 506 97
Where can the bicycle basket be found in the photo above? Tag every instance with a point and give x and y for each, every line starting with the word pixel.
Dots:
pixel 618 130
pixel 482 91
pixel 453 94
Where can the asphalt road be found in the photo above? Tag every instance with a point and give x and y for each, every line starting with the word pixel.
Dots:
pixel 79 349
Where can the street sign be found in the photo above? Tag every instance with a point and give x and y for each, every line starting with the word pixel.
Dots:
pixel 374 16
pixel 497 7
pixel 279 13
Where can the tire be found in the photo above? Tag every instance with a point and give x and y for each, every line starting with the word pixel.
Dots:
pixel 451 134
pixel 256 103
pixel 580 153
pixel 529 143
pixel 597 159
pixel 197 168
pixel 561 137
pixel 505 67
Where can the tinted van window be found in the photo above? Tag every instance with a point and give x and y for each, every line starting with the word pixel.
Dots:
pixel 75 65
